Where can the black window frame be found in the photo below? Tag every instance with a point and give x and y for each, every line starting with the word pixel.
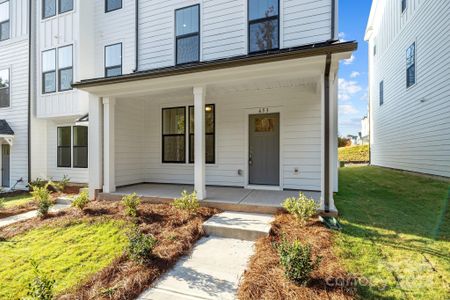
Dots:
pixel 47 72
pixel 7 88
pixel 404 5
pixel 64 69
pixel 411 66
pixel 63 12
pixel 260 20
pixel 65 147
pixel 6 22
pixel 78 147
pixel 111 10
pixel 171 135
pixel 115 66
pixel 43 9
pixel 188 35
pixel 381 92
pixel 206 134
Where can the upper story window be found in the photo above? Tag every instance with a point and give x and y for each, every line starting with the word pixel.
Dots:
pixel 65 6
pixel 187 22
pixel 49 71
pixel 111 5
pixel 65 68
pixel 411 65
pixel 381 92
pixel 50 7
pixel 113 60
pixel 263 25
pixel 4 20
pixel 4 88
pixel 404 5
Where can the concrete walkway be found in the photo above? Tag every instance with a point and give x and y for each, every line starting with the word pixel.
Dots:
pixel 217 262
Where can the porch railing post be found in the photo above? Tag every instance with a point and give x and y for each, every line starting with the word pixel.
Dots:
pixel 95 155
pixel 199 142
pixel 109 185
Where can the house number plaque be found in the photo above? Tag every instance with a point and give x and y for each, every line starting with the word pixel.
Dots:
pixel 263 110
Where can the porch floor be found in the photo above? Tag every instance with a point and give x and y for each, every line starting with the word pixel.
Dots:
pixel 215 194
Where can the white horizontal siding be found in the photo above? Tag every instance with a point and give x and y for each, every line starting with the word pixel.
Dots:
pixel 411 130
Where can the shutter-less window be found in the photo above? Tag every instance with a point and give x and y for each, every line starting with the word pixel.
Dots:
pixel 187 34
pixel 263 25
pixel 4 88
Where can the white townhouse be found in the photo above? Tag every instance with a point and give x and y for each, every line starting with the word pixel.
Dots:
pixel 409 84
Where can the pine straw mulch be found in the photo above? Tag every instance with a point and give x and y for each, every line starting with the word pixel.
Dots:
pixel 175 231
pixel 265 279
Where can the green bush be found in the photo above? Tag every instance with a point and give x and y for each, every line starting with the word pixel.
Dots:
pixel 303 208
pixel 61 185
pixel 81 200
pixel 42 197
pixel 41 288
pixel 131 203
pixel 140 246
pixel 187 202
pixel 297 261
pixel 38 182
pixel 355 154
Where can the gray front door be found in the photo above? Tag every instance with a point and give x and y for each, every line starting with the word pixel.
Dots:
pixel 264 149
pixel 5 165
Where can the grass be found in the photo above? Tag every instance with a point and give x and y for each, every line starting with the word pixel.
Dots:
pixel 396 233
pixel 354 154
pixel 68 254
pixel 18 200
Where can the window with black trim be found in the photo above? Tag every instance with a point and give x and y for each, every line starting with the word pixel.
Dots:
pixel 263 25
pixel 113 60
pixel 80 147
pixel 65 6
pixel 381 91
pixel 65 68
pixel 48 8
pixel 49 71
pixel 111 5
pixel 411 65
pixel 64 159
pixel 174 135
pixel 404 5
pixel 4 20
pixel 187 24
pixel 210 133
pixel 4 88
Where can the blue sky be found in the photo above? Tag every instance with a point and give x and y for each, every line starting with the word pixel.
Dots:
pixel 353 105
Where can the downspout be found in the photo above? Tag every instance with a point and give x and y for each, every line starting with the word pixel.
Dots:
pixel 30 15
pixel 136 35
pixel 333 20
pixel 327 133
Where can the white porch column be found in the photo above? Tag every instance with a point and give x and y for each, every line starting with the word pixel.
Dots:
pixel 109 185
pixel 95 142
pixel 199 142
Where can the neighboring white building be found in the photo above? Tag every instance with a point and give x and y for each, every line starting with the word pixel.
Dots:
pixel 364 134
pixel 409 86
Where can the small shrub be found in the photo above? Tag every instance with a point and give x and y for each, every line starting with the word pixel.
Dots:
pixel 81 200
pixel 297 261
pixel 131 203
pixel 41 288
pixel 187 202
pixel 42 197
pixel 140 246
pixel 303 208
pixel 38 182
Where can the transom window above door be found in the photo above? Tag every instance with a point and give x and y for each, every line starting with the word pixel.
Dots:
pixel 187 23
pixel 263 25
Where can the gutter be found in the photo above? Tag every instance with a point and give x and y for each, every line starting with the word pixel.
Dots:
pixel 136 35
pixel 327 133
pixel 30 15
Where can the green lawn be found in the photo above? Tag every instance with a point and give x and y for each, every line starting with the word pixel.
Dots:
pixel 18 200
pixel 396 233
pixel 69 254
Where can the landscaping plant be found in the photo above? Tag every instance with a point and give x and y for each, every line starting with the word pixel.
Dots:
pixel 41 288
pixel 81 200
pixel 42 197
pixel 60 185
pixel 140 246
pixel 303 208
pixel 187 202
pixel 297 260
pixel 131 203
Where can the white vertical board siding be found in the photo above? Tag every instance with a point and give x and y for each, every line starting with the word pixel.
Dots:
pixel 115 27
pixel 18 18
pixel 14 57
pixel 411 130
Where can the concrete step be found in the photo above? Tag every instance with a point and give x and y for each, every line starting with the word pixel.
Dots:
pixel 237 225
pixel 65 200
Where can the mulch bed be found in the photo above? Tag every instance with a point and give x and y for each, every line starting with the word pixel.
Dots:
pixel 265 279
pixel 176 232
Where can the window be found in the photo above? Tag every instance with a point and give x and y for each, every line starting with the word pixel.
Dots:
pixel 65 6
pixel 404 5
pixel 80 147
pixel 113 60
pixel 210 129
pixel 49 71
pixel 374 50
pixel 187 34
pixel 4 20
pixel 64 147
pixel 411 65
pixel 4 88
pixel 381 92
pixel 111 5
pixel 65 69
pixel 174 135
pixel 263 25
pixel 48 8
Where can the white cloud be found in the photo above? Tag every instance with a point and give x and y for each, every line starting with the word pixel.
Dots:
pixel 348 88
pixel 341 36
pixel 347 109
pixel 350 60
pixel 354 74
